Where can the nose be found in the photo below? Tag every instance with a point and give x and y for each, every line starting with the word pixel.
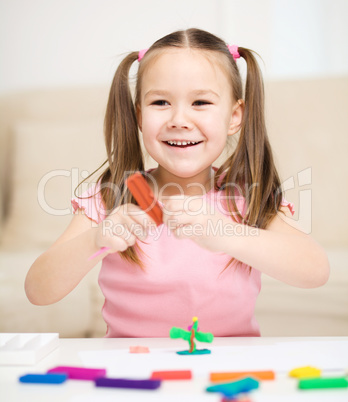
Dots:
pixel 180 120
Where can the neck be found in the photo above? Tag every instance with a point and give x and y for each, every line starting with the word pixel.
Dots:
pixel 169 184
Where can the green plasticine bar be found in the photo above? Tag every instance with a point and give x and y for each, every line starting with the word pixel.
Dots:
pixel 316 383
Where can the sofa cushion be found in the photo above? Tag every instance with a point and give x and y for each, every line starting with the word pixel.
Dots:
pixel 49 159
pixel 74 316
pixel 284 310
pixel 308 133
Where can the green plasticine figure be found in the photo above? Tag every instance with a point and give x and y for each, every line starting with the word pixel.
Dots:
pixel 190 336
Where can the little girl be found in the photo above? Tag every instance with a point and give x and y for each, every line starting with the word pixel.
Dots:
pixel 223 226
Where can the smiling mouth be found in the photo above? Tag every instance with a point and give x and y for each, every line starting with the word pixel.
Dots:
pixel 182 144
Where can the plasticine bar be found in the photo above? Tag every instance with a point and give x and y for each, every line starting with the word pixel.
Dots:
pixel 126 383
pixel 234 388
pixel 172 375
pixel 79 373
pixel 245 399
pixel 328 382
pixel 305 372
pixel 144 196
pixel 43 378
pixel 139 349
pixel 226 376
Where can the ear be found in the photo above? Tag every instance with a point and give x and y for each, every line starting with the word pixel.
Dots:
pixel 139 117
pixel 236 117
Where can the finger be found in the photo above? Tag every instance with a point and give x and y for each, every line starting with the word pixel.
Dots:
pixel 121 231
pixel 123 226
pixel 133 213
pixel 138 228
pixel 178 220
pixel 136 232
pixel 183 231
pixel 174 205
pixel 115 244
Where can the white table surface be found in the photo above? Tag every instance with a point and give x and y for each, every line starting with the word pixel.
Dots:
pixel 282 389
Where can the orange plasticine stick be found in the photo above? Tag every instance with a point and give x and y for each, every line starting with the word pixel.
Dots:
pixel 144 196
pixel 258 375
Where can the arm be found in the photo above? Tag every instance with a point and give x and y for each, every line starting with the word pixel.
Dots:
pixel 280 251
pixel 57 271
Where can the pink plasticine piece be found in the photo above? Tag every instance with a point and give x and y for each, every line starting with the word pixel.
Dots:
pixel 101 251
pixel 139 349
pixel 79 373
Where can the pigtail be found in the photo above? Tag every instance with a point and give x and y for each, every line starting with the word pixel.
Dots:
pixel 122 142
pixel 251 168
pixel 121 133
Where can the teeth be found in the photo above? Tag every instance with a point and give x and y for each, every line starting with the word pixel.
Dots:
pixel 182 142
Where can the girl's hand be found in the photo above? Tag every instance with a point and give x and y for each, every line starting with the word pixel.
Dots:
pixel 122 228
pixel 280 251
pixel 199 220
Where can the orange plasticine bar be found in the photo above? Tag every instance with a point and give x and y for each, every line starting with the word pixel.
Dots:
pixel 258 375
pixel 144 196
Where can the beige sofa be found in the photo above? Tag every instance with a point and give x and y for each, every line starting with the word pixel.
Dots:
pixel 50 139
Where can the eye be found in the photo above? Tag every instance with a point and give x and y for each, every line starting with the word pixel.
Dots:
pixel 201 103
pixel 160 103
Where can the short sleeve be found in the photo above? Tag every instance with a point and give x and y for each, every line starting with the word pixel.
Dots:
pixel 91 203
pixel 288 204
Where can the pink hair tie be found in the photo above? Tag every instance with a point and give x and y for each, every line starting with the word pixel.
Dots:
pixel 233 49
pixel 141 54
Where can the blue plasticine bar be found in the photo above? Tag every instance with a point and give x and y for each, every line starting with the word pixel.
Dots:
pixel 43 378
pixel 126 383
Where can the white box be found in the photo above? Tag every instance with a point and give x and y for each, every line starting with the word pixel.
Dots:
pixel 26 349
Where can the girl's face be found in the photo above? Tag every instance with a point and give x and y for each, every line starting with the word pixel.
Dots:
pixel 186 111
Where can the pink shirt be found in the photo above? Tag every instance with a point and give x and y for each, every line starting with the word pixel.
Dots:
pixel 181 280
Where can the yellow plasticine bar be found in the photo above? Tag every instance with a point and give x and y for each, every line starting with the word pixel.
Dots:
pixel 305 372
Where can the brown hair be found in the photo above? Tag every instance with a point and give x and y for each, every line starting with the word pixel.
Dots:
pixel 250 167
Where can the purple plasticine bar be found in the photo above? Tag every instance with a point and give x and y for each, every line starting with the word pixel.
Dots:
pixel 126 383
pixel 79 373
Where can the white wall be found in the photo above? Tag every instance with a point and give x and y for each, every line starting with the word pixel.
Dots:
pixel 47 43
